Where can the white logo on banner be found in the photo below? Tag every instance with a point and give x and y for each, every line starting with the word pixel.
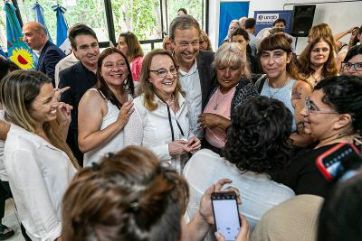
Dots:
pixel 266 17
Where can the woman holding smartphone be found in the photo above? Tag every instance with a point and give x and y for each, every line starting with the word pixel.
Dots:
pixel 104 111
pixel 160 120
pixel 37 160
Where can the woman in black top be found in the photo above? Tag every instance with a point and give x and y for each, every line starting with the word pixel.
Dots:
pixel 332 114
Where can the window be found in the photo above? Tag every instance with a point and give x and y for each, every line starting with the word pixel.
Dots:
pixel 90 12
pixel 195 8
pixel 148 19
pixel 142 17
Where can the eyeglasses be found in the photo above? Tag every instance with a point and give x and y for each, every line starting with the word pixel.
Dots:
pixel 162 72
pixel 348 66
pixel 312 108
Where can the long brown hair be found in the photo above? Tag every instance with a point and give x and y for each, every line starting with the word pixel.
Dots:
pixel 146 86
pixel 134 46
pixel 305 66
pixel 102 84
pixel 322 30
pixel 17 92
pixel 128 196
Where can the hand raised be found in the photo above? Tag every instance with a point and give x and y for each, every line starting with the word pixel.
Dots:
pixel 125 112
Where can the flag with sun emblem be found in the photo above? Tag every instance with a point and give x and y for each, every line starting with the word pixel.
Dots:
pixel 18 51
pixel 21 55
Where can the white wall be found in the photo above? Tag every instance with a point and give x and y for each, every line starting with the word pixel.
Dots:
pixel 340 16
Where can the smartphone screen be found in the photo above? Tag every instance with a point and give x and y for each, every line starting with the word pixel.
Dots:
pixel 338 160
pixel 226 215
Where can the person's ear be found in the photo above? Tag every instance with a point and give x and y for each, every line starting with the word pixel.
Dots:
pixel 344 120
pixel 74 51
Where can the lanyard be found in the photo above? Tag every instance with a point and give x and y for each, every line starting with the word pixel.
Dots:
pixel 170 123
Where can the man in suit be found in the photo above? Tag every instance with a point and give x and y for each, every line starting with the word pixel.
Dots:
pixel 196 74
pixel 35 36
pixel 80 77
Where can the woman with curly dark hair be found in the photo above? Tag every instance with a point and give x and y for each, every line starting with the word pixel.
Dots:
pixel 332 115
pixel 257 146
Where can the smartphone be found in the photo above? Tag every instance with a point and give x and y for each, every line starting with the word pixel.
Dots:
pixel 338 160
pixel 226 214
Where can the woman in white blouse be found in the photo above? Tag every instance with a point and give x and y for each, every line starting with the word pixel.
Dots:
pixel 37 160
pixel 160 120
pixel 104 111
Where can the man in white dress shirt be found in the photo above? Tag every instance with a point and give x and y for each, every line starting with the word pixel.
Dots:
pixel 196 74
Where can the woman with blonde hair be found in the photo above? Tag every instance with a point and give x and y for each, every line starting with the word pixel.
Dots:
pixel 232 73
pixel 130 46
pixel 317 61
pixel 160 120
pixel 38 162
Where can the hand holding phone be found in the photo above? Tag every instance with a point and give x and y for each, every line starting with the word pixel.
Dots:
pixel 226 214
pixel 243 234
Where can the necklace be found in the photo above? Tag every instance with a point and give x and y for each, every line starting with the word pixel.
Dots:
pixel 315 79
pixel 274 92
pixel 171 100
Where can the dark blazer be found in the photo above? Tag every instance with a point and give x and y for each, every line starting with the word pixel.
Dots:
pixel 206 74
pixel 79 79
pixel 50 55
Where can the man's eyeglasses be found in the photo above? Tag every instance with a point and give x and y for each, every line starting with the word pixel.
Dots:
pixel 312 108
pixel 348 66
pixel 162 72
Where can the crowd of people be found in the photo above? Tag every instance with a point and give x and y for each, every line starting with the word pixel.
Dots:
pixel 121 145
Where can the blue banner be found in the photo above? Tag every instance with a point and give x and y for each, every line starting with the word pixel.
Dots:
pixel 265 19
pixel 228 12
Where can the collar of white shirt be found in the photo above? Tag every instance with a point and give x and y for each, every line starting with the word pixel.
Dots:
pixel 37 140
pixel 191 71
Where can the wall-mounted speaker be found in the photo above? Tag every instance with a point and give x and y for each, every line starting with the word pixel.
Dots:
pixel 303 16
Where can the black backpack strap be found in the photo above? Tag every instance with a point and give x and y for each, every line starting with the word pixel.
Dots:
pixel 259 83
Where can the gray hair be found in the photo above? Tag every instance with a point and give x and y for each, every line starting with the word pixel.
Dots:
pixel 231 54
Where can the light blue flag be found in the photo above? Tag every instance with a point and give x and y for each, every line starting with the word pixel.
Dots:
pixel 62 29
pixel 18 51
pixel 39 17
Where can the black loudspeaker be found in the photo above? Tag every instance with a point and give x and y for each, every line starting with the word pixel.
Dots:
pixel 302 20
